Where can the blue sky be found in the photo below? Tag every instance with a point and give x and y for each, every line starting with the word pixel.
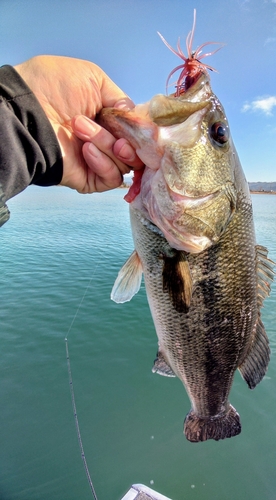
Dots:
pixel 121 37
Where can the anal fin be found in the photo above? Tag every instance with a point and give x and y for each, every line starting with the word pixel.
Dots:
pixel 161 366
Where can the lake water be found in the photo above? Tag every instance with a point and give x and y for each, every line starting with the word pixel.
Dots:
pixel 60 254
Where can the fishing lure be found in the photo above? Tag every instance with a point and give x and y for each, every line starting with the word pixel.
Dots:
pixel 192 68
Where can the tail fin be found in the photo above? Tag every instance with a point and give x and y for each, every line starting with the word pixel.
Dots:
pixel 219 427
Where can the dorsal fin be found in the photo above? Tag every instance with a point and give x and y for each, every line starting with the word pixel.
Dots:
pixel 177 281
pixel 254 366
pixel 265 273
pixel 128 281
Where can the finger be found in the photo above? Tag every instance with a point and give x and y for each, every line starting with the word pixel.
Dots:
pixel 102 173
pixel 89 131
pixel 127 154
pixel 113 96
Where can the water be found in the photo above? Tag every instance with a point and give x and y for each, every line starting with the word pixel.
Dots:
pixel 57 246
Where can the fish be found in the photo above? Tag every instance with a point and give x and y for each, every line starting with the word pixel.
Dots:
pixel 205 276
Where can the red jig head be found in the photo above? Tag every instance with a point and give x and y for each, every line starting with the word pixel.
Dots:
pixel 192 68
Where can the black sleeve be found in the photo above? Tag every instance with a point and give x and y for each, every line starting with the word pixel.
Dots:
pixel 29 150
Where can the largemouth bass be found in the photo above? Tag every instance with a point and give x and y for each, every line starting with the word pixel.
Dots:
pixel 194 238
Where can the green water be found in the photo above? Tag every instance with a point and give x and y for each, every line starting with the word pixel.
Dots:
pixel 60 254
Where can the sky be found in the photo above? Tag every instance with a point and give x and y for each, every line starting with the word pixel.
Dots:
pixel 121 37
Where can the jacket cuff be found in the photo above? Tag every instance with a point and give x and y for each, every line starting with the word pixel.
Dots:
pixel 38 146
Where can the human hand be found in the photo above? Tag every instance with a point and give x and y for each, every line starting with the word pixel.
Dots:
pixel 71 92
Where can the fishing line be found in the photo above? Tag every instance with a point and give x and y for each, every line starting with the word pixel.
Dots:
pixel 73 394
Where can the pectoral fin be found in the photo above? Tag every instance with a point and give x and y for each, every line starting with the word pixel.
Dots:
pixel 128 281
pixel 177 281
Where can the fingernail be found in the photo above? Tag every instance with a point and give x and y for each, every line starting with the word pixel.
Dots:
pixel 85 127
pixel 125 104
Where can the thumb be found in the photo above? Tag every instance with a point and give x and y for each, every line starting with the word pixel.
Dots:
pixel 113 96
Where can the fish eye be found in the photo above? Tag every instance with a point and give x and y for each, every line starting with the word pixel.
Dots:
pixel 219 132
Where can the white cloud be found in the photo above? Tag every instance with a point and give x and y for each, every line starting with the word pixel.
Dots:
pixel 264 104
pixel 270 40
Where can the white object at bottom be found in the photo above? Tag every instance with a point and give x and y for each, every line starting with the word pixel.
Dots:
pixel 141 492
